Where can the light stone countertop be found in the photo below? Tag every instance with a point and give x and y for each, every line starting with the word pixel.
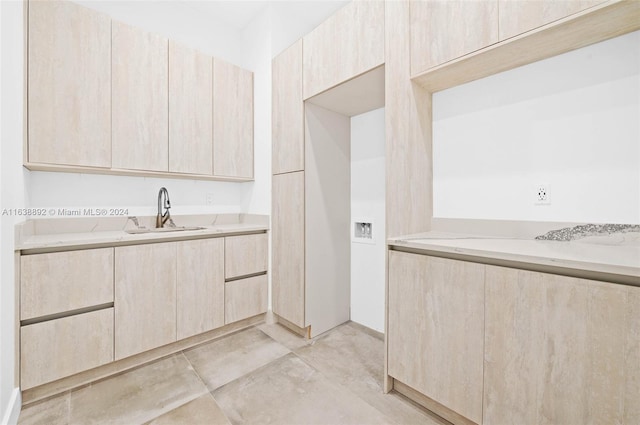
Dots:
pixel 50 235
pixel 612 257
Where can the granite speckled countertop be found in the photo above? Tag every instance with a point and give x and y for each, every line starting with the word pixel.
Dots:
pixel 50 235
pixel 608 256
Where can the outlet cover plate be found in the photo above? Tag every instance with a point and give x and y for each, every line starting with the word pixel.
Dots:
pixel 542 194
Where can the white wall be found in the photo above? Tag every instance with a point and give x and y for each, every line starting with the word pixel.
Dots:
pixel 572 121
pixel 367 201
pixel 13 181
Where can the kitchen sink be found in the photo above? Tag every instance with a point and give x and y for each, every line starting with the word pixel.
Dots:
pixel 164 229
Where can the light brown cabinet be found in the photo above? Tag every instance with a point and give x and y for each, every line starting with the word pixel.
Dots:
pixel 245 255
pixel 442 30
pixel 560 350
pixel 347 44
pixel 190 110
pixel 552 349
pixel 145 297
pixel 200 286
pixel 245 298
pixel 140 99
pixel 62 347
pixel 287 119
pixel 232 120
pixel 519 16
pixel 288 247
pixel 246 261
pixel 60 282
pixel 435 329
pixel 69 85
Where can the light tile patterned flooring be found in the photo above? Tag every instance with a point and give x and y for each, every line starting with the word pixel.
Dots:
pixel 261 375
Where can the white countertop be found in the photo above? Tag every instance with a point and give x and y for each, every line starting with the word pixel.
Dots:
pixel 615 254
pixel 67 236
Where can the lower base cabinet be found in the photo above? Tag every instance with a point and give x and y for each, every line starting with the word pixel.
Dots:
pixel 200 286
pixel 560 350
pixel 502 346
pixel 145 297
pixel 58 348
pixel 436 320
pixel 245 298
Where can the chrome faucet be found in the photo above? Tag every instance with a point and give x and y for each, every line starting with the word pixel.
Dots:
pixel 163 217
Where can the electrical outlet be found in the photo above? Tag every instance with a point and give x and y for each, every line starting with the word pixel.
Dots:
pixel 542 194
pixel 209 199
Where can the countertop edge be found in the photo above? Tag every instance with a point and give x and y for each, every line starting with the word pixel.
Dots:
pixel 126 239
pixel 586 270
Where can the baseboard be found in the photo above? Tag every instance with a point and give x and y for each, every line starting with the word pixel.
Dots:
pixel 12 411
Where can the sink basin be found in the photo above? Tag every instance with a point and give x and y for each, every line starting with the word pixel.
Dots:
pixel 165 229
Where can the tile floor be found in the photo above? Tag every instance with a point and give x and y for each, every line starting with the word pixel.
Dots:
pixel 261 375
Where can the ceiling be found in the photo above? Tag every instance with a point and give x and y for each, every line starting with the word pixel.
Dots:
pixel 235 13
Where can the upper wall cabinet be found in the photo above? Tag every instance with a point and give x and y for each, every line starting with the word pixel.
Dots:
pixel 442 30
pixel 344 46
pixel 518 16
pixel 140 99
pixel 287 131
pixel 190 110
pixel 232 120
pixel 69 85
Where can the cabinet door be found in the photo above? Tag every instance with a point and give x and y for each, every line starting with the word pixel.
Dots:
pixel 288 247
pixel 349 43
pixel 69 81
pixel 62 347
pixel 287 131
pixel 63 281
pixel 518 16
pixel 245 298
pixel 200 286
pixel 140 99
pixel 145 298
pixel 245 255
pixel 190 111
pixel 442 30
pixel 436 329
pixel 232 120
pixel 560 350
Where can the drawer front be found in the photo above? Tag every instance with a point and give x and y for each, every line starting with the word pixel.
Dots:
pixel 245 255
pixel 245 298
pixel 63 281
pixel 58 348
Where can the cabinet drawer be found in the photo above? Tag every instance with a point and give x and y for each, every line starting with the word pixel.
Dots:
pixel 245 255
pixel 57 348
pixel 64 281
pixel 245 298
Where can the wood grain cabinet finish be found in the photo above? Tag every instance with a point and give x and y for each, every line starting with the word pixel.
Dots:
pixel 287 246
pixel 245 298
pixel 200 286
pixel 442 30
pixel 62 347
pixel 232 120
pixel 145 297
pixel 519 16
pixel 190 110
pixel 287 132
pixel 436 328
pixel 69 85
pixel 560 350
pixel 245 255
pixel 64 281
pixel 347 44
pixel 140 99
